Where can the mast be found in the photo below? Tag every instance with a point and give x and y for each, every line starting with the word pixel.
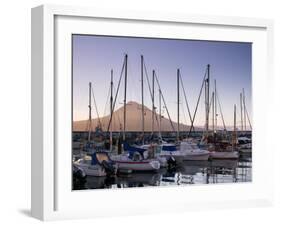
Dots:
pixel 142 100
pixel 111 107
pixel 216 112
pixel 213 112
pixel 220 108
pixel 207 100
pixel 241 108
pixel 198 100
pixel 234 129
pixel 90 112
pixel 244 106
pixel 153 107
pixel 125 97
pixel 248 119
pixel 160 113
pixel 178 104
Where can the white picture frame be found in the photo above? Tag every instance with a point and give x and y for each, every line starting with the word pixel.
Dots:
pixel 52 197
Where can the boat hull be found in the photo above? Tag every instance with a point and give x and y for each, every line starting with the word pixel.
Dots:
pixel 197 156
pixel 92 170
pixel 177 155
pixel 163 161
pixel 138 165
pixel 224 155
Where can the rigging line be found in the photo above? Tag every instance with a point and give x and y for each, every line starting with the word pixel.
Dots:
pixel 105 107
pixel 113 115
pixel 146 75
pixel 248 118
pixel 198 100
pixel 210 105
pixel 186 102
pixel 114 102
pixel 165 103
pixel 96 107
pixel 221 110
pixel 150 90
pixel 184 117
pixel 88 126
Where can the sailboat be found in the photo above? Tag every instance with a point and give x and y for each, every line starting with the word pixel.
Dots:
pixel 97 164
pixel 230 153
pixel 216 152
pixel 91 146
pixel 134 159
pixel 94 161
pixel 189 149
pixel 244 142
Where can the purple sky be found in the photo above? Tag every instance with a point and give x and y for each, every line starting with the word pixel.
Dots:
pixel 95 56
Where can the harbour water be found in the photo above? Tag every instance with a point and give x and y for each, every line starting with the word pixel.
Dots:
pixel 188 173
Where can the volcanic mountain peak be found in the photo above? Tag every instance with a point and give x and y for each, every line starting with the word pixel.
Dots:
pixel 133 120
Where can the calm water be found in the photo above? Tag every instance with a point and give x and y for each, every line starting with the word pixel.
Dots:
pixel 189 173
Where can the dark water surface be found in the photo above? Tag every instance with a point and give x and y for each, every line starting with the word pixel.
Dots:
pixel 189 173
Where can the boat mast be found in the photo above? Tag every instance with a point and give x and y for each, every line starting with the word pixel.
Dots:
pixel 142 100
pixel 178 105
pixel 220 108
pixel 244 106
pixel 160 113
pixel 153 107
pixel 125 98
pixel 213 112
pixel 111 107
pixel 90 112
pixel 234 129
pixel 248 119
pixel 216 113
pixel 185 98
pixel 246 115
pixel 198 100
pixel 207 100
pixel 116 95
pixel 241 108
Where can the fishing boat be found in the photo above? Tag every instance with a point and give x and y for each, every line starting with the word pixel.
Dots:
pixel 98 164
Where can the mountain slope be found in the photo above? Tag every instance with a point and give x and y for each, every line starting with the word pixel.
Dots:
pixel 133 120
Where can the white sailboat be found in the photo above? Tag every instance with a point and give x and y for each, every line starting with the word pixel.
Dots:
pixel 135 159
pixel 192 152
pixel 137 163
pixel 98 164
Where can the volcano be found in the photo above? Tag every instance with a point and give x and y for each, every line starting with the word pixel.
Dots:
pixel 133 120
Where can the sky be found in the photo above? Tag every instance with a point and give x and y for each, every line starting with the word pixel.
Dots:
pixel 95 56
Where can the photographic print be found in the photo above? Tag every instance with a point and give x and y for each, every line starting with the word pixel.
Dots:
pixel 160 112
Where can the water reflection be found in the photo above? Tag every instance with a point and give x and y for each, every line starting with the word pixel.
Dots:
pixel 190 172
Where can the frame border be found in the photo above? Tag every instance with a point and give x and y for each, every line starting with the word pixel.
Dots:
pixel 43 122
